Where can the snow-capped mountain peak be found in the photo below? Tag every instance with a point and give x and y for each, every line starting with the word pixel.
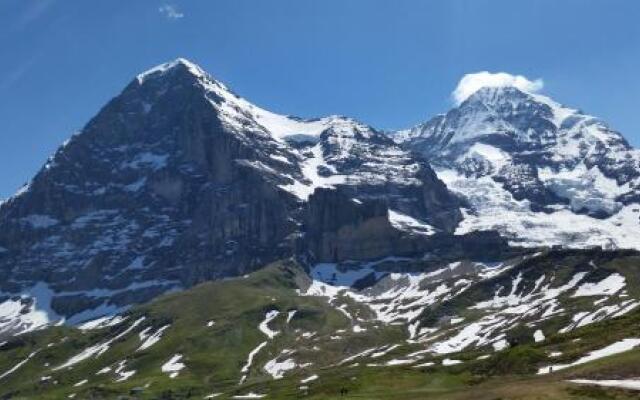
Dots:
pixel 516 121
pixel 178 179
pixel 511 149
pixel 171 66
pixel 239 112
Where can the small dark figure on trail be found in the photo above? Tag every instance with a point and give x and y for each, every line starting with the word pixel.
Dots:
pixel 344 391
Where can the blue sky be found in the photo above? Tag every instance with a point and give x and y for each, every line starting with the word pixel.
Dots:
pixel 388 63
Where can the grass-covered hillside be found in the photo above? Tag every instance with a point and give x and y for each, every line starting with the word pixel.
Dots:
pixel 285 333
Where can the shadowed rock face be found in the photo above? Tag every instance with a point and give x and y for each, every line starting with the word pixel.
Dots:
pixel 154 192
pixel 177 180
pixel 341 227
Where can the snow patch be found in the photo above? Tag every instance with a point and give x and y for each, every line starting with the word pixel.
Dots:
pixel 309 379
pixel 405 222
pixel 615 348
pixel 247 365
pixel 250 395
pixel 264 325
pixel 102 322
pixel 173 366
pixel 151 339
pixel 631 384
pixel 277 369
pixel 606 287
pixel 18 365
pixel 310 172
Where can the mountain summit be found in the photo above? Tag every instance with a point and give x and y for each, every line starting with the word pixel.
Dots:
pixel 178 180
pixel 537 171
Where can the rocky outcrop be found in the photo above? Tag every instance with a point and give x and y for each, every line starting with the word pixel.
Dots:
pixel 339 227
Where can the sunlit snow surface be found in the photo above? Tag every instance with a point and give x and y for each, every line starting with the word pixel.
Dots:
pixel 310 172
pixel 494 208
pixel 264 325
pixel 606 287
pixel 173 366
pixel 102 322
pixel 404 222
pixel 632 384
pixel 250 395
pixel 615 348
pixel 149 339
pixel 29 310
pixel 309 379
pixel 277 368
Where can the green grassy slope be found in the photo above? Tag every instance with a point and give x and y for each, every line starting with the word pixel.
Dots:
pixel 318 337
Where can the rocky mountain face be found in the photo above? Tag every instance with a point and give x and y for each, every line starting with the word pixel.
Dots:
pixel 177 180
pixel 537 171
pixel 407 253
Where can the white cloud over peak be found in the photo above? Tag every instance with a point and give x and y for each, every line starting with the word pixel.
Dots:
pixel 471 83
pixel 170 11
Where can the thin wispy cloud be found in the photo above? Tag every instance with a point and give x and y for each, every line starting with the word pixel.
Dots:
pixel 18 72
pixel 170 11
pixel 32 11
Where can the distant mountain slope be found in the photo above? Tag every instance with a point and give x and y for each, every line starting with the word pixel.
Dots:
pixel 537 171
